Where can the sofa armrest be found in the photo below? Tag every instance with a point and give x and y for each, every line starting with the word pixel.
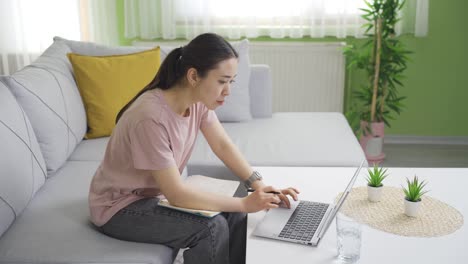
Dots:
pixel 260 88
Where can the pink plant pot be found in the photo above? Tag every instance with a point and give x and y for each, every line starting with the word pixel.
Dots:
pixel 369 139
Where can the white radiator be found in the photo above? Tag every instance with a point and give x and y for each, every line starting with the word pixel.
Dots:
pixel 306 76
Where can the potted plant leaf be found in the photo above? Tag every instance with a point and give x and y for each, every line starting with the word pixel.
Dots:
pixel 383 58
pixel 374 183
pixel 413 192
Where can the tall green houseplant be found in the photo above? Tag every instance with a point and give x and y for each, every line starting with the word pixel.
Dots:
pixel 383 57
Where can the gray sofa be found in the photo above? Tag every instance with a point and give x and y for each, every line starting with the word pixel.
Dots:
pixel 46 167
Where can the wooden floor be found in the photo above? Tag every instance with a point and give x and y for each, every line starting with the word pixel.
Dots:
pixel 432 156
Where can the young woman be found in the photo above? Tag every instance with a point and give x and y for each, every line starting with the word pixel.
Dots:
pixel 150 146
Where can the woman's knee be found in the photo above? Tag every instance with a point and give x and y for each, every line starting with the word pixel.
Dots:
pixel 239 216
pixel 235 218
pixel 219 223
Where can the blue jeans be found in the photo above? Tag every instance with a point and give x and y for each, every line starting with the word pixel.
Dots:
pixel 221 239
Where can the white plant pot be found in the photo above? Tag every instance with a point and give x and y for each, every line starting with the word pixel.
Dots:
pixel 374 146
pixel 412 208
pixel 374 193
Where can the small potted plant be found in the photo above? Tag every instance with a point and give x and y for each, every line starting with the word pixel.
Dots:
pixel 374 183
pixel 413 193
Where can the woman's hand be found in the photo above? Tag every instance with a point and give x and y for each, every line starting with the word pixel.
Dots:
pixel 293 192
pixel 262 199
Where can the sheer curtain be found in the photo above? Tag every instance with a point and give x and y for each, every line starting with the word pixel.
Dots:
pixel 99 21
pixel 171 19
pixel 28 26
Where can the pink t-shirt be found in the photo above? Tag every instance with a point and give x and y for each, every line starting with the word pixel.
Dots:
pixel 149 136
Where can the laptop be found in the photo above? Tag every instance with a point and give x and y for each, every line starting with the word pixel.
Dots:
pixel 305 222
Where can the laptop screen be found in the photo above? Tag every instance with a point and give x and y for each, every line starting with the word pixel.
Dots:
pixel 340 202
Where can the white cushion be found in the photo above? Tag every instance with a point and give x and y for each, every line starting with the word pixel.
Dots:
pixel 22 167
pixel 237 105
pixel 48 94
pixel 94 150
pixel 90 150
pixel 260 91
pixel 54 228
pixel 287 139
pixel 93 49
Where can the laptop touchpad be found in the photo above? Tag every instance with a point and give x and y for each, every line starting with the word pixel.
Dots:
pixel 275 220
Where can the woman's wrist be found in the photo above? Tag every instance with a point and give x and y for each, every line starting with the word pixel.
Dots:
pixel 258 184
pixel 244 205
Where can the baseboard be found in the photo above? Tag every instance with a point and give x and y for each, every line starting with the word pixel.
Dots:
pixel 428 140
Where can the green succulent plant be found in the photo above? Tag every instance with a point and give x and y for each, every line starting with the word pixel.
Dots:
pixel 414 189
pixel 376 176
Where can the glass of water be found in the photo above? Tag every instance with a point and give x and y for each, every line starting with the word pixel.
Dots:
pixel 348 242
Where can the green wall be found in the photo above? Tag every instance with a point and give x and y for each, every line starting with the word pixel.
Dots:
pixel 436 83
pixel 437 78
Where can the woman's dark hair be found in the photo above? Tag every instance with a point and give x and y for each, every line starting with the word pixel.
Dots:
pixel 202 53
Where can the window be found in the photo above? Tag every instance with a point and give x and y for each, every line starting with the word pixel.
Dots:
pixel 170 19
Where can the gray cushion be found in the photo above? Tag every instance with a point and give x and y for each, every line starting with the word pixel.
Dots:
pixel 54 228
pixel 22 167
pixel 288 139
pixel 48 94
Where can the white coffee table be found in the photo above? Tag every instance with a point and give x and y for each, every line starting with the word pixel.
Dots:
pixel 323 184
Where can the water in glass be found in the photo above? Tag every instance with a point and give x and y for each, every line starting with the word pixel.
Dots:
pixel 348 239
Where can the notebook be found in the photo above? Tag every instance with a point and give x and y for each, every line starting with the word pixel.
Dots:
pixel 208 184
pixel 305 222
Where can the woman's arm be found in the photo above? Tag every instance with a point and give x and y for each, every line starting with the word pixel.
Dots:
pixel 179 194
pixel 223 147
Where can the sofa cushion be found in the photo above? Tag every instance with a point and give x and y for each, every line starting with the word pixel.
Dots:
pixel 93 49
pixel 54 228
pixel 261 94
pixel 237 105
pixel 94 149
pixel 108 83
pixel 22 167
pixel 286 139
pixel 90 150
pixel 48 94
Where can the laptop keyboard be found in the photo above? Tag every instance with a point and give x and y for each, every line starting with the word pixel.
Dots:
pixel 304 221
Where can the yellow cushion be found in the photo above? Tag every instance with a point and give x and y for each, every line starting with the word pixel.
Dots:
pixel 107 83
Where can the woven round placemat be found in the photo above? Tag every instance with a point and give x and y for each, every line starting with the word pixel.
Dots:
pixel 434 218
